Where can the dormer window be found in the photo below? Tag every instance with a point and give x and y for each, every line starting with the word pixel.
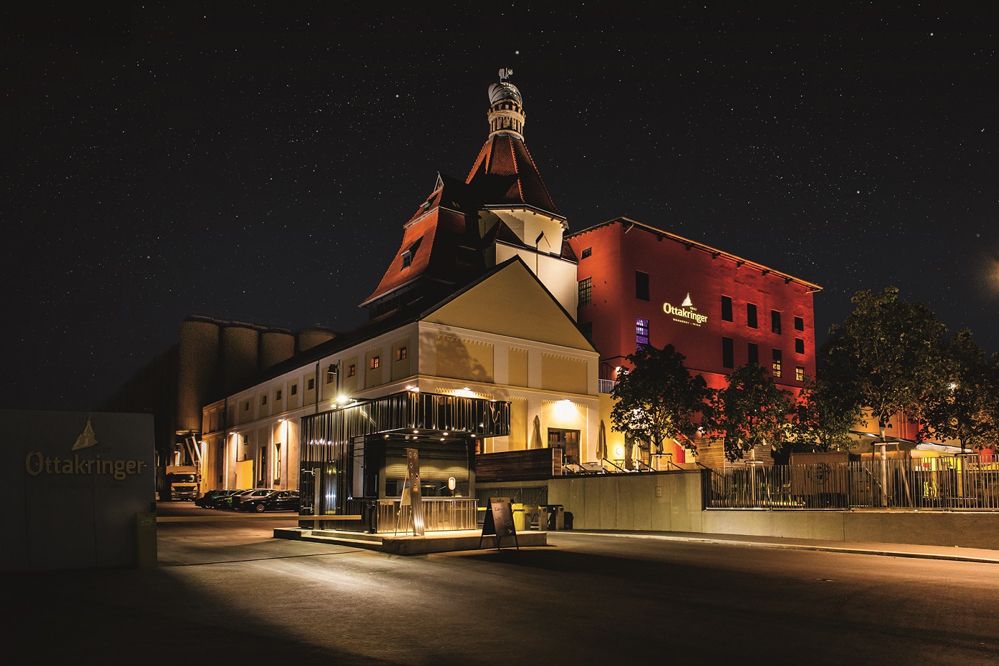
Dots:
pixel 410 252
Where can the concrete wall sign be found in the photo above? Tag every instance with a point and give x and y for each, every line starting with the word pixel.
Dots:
pixel 77 483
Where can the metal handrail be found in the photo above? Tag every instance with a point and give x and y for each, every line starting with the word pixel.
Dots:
pixel 613 464
pixel 639 464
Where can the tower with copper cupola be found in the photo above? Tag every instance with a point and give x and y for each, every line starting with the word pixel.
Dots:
pixel 502 210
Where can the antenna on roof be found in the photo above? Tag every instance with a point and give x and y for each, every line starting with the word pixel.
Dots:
pixel 505 73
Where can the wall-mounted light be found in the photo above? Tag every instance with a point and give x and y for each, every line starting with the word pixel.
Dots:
pixel 565 410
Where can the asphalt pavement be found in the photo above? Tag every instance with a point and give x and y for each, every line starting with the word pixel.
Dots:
pixel 227 593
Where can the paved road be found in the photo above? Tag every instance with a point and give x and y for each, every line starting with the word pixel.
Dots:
pixel 228 594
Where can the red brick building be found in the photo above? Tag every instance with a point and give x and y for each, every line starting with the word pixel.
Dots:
pixel 642 285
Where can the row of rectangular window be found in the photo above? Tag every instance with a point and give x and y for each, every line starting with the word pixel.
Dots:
pixel 401 354
pixel 642 293
pixel 751 318
pixel 642 290
pixel 642 339
pixel 753 354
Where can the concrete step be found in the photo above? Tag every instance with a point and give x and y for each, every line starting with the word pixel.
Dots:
pixel 343 534
pixel 352 539
pixel 432 542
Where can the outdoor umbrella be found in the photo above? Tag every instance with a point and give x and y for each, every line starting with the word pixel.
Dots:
pixel 602 441
pixel 535 442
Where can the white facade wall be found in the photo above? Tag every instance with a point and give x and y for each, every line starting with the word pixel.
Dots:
pixel 255 426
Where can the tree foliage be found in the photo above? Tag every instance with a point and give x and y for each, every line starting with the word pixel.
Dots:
pixel 658 398
pixel 888 354
pixel 750 411
pixel 824 415
pixel 967 408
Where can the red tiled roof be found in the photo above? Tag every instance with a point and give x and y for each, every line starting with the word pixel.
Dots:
pixel 432 240
pixel 505 173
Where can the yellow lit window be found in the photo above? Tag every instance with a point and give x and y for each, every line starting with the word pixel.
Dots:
pixel 799 374
pixel 376 362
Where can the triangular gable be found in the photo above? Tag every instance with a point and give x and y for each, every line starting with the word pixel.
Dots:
pixel 511 302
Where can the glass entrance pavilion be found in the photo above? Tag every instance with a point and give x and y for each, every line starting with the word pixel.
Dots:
pixel 354 463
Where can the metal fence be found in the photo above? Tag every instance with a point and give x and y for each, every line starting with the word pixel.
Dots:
pixel 439 514
pixel 946 483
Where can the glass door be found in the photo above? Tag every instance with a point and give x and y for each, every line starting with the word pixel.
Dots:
pixel 568 441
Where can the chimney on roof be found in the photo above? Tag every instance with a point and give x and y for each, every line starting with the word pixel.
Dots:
pixel 506 107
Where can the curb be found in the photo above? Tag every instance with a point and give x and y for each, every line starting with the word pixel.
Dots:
pixel 882 552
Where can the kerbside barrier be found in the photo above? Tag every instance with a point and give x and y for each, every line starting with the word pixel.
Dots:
pixel 79 490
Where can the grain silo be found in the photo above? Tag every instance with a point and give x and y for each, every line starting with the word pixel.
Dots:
pixel 276 345
pixel 239 355
pixel 312 336
pixel 197 368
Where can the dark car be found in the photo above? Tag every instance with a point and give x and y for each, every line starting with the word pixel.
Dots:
pixel 256 493
pixel 229 501
pixel 206 500
pixel 279 500
pixel 219 499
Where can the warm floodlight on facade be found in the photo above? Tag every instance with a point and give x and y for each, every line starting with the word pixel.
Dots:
pixel 565 410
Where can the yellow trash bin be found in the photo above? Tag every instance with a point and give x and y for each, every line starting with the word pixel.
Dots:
pixel 519 517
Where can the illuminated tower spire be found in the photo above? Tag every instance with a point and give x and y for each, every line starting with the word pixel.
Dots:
pixel 506 107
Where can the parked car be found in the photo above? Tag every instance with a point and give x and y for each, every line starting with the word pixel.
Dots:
pixel 218 500
pixel 205 501
pixel 238 499
pixel 280 500
pixel 228 501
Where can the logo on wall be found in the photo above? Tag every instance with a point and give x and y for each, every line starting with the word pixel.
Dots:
pixel 686 313
pixel 85 439
pixel 37 463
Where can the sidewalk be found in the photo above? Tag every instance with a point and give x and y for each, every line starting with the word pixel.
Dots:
pixel 954 553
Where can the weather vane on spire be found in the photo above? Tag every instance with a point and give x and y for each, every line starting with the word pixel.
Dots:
pixel 505 73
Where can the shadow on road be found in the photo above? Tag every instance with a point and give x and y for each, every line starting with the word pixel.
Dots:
pixel 143 617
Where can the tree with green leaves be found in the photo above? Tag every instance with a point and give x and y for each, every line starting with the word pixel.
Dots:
pixel 824 415
pixel 658 399
pixel 749 412
pixel 888 351
pixel 967 407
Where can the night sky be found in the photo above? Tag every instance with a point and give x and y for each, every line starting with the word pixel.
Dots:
pixel 257 163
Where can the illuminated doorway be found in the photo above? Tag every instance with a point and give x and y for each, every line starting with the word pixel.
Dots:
pixel 568 441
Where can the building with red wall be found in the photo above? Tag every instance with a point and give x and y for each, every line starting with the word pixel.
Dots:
pixel 643 285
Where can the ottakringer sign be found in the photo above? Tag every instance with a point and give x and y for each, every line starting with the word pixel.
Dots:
pixel 685 313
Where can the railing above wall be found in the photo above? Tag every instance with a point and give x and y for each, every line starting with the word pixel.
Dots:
pixel 942 483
